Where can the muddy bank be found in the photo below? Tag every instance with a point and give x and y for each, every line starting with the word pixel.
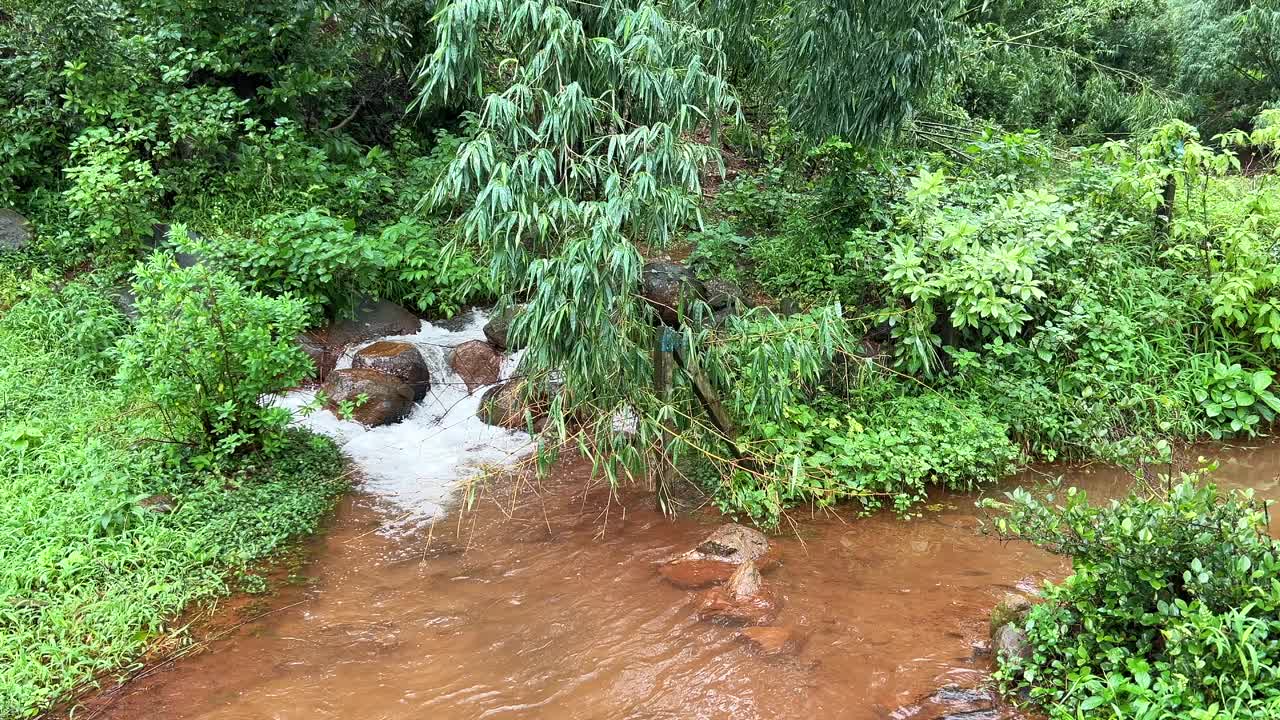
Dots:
pixel 544 603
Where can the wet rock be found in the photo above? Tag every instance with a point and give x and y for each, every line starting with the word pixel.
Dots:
pixel 162 503
pixel 15 231
pixel 184 256
pixel 323 357
pixel 371 320
pixel 955 703
pixel 743 600
pixel 1013 608
pixel 666 286
pixel 398 359
pixel 979 649
pixel 773 641
pixel 720 318
pixel 505 406
pixel 126 302
pixel 1011 642
pixel 498 330
pixel 716 558
pixel 477 363
pixel 390 400
pixel 724 295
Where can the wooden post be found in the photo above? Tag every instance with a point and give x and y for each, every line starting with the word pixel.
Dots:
pixel 710 399
pixel 1164 213
pixel 664 340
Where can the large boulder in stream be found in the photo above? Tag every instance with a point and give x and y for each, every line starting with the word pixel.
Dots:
pixel 667 286
pixel 718 556
pixel 508 405
pixel 398 359
pixel 15 231
pixel 743 600
pixel 323 356
pixel 498 330
pixel 389 399
pixel 370 321
pixel 477 363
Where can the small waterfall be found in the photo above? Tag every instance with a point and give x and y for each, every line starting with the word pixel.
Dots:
pixel 417 463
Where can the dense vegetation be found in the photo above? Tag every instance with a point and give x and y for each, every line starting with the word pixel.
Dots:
pixel 970 236
pixel 1171 611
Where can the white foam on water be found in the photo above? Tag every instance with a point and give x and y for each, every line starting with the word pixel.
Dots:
pixel 416 464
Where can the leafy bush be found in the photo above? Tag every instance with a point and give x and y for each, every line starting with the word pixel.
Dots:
pixel 1171 610
pixel 982 268
pixel 312 256
pixel 878 450
pixel 112 193
pixel 205 355
pixel 1237 400
pixel 718 253
pixel 434 277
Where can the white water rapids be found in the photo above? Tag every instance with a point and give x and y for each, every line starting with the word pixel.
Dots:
pixel 417 463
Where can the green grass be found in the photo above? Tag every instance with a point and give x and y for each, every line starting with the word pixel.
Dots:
pixel 88 577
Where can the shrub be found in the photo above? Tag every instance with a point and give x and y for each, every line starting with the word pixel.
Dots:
pixel 112 192
pixel 312 256
pixel 879 451
pixel 718 253
pixel 435 277
pixel 206 354
pixel 1171 610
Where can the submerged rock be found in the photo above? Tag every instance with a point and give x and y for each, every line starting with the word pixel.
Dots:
pixel 718 556
pixel 477 363
pixel 666 286
pixel 498 330
pixel 15 231
pixel 398 359
pixel 390 400
pixel 743 600
pixel 773 641
pixel 1011 642
pixel 955 703
pixel 1013 608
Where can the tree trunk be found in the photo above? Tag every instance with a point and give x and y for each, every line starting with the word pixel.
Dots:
pixel 1164 214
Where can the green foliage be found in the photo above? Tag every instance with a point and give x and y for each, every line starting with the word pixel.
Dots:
pixel 112 193
pixel 582 150
pixel 888 454
pixel 848 69
pixel 437 278
pixel 88 577
pixel 311 256
pixel 1170 611
pixel 984 270
pixel 718 253
pixel 205 355
pixel 1237 400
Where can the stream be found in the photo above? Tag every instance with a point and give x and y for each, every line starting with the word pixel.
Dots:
pixel 542 601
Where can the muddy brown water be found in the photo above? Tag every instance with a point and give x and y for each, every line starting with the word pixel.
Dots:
pixel 545 604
